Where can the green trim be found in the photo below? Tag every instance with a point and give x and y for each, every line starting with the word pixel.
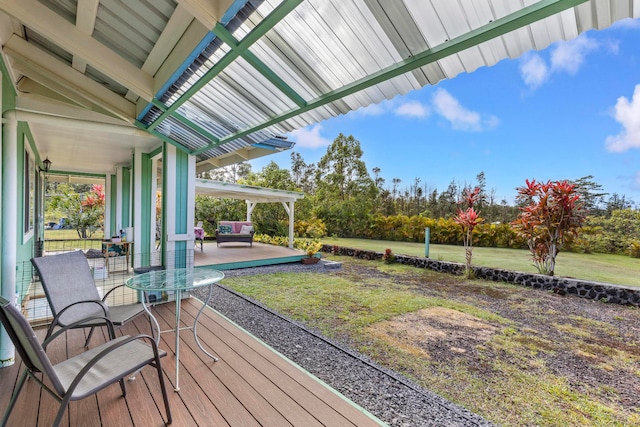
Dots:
pixel 126 198
pixel 145 209
pixel 113 198
pixel 155 152
pixel 514 21
pixel 255 263
pixel 277 15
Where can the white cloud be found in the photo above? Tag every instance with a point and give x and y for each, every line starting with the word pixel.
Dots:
pixel 372 110
pixel 565 57
pixel 627 23
pixel 534 70
pixel 628 115
pixel 309 137
pixel 460 117
pixel 412 109
pixel 569 56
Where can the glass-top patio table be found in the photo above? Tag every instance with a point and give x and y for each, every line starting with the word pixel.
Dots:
pixel 177 281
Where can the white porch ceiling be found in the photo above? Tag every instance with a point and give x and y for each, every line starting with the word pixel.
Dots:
pixel 222 79
pixel 251 193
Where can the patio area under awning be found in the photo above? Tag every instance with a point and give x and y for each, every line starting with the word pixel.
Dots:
pixel 252 195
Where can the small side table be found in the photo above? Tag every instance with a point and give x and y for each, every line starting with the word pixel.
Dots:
pixel 178 280
pixel 121 248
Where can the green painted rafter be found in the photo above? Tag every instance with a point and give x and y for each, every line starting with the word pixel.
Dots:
pixel 162 137
pixel 182 119
pixel 501 26
pixel 260 30
pixel 252 59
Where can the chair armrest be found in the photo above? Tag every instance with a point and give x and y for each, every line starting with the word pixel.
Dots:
pixel 104 298
pixel 63 329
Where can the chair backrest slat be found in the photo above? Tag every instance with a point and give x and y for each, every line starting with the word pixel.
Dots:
pixel 26 343
pixel 65 278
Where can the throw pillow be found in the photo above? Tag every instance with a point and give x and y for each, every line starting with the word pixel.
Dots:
pixel 224 229
pixel 246 229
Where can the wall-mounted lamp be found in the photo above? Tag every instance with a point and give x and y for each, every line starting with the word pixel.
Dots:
pixel 47 164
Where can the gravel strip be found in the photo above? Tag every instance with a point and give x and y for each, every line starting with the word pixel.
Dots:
pixel 389 396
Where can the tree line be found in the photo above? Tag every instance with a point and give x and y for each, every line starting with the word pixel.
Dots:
pixel 343 198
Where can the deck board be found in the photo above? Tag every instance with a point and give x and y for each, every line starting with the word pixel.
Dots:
pixel 250 385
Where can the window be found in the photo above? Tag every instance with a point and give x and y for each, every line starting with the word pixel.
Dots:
pixel 29 191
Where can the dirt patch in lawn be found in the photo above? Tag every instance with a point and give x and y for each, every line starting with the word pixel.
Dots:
pixel 434 329
pixel 550 360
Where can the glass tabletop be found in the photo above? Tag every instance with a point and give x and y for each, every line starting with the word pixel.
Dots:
pixel 174 280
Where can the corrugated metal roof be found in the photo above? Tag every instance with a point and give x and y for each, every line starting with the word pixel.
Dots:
pixel 325 46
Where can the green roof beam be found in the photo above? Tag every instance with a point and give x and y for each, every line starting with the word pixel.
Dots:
pixel 163 137
pixel 260 66
pixel 277 15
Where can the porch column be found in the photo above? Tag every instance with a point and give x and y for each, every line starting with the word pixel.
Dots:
pixel 9 223
pixel 179 207
pixel 108 203
pixel 123 199
pixel 142 209
pixel 288 206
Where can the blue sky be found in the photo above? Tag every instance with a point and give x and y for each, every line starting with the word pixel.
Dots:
pixel 568 111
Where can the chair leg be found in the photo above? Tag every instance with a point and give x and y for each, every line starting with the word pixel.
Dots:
pixel 164 390
pixel 86 343
pixel 14 397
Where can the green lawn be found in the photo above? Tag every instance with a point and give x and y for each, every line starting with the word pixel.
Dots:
pixel 618 269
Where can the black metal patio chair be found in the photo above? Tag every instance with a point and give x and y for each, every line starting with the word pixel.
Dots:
pixel 72 294
pixel 82 375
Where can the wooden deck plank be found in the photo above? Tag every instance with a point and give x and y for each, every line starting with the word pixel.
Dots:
pixel 229 388
pixel 235 358
pixel 193 390
pixel 181 414
pixel 250 385
pixel 302 407
pixel 321 391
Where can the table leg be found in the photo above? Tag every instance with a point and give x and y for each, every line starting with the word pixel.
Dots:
pixel 195 325
pixel 178 296
pixel 156 337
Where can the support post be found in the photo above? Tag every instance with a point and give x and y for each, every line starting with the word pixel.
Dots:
pixel 427 237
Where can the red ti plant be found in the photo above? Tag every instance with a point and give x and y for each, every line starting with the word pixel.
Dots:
pixel 468 219
pixel 550 212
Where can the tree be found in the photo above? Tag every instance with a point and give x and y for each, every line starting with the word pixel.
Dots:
pixel 591 195
pixel 232 173
pixel 303 173
pixel 549 213
pixel 468 218
pixel 346 193
pixel 84 211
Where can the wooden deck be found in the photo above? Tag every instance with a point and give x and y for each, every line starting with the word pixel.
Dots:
pixel 251 385
pixel 241 255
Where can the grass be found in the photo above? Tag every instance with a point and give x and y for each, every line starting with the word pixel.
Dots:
pixel 618 269
pixel 508 377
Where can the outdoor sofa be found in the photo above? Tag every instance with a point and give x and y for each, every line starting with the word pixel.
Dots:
pixel 234 231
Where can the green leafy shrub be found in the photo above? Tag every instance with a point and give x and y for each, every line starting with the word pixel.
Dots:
pixel 634 249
